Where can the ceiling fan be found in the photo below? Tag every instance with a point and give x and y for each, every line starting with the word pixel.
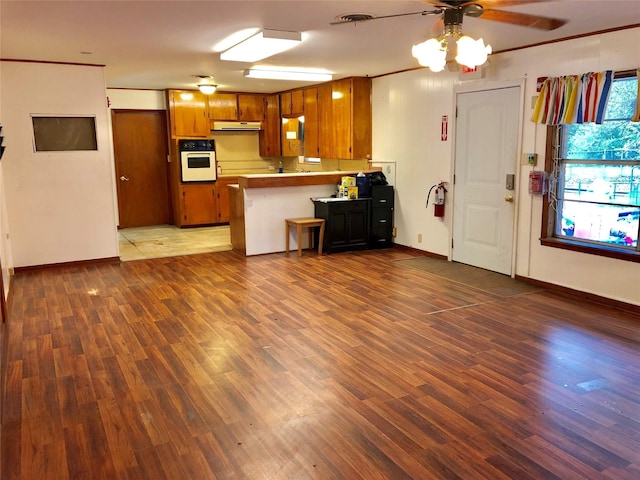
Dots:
pixel 452 12
pixel 435 53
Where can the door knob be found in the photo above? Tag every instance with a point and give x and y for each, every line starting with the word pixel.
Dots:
pixel 508 198
pixel 123 178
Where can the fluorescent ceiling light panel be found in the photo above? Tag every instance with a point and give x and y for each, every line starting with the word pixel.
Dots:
pixel 234 39
pixel 262 45
pixel 288 75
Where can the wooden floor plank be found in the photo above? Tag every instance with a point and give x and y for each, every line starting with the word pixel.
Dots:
pixel 347 366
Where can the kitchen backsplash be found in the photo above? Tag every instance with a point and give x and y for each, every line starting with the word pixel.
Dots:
pixel 238 153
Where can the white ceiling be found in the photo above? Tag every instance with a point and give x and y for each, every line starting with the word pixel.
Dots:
pixel 161 44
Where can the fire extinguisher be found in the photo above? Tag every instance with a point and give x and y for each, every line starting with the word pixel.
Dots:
pixel 438 204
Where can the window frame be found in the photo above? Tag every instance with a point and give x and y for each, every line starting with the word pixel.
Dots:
pixel 549 217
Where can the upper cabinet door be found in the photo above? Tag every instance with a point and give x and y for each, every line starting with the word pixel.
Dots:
pixel 292 103
pixel 351 114
pixel 223 106
pixel 188 113
pixel 341 116
pixel 270 133
pixel 325 122
pixel 311 136
pixel 250 107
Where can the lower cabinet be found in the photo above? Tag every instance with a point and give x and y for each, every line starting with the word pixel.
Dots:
pixel 205 203
pixel 222 190
pixel 199 204
pixel 347 224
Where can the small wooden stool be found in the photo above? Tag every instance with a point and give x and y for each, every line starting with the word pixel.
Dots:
pixel 308 222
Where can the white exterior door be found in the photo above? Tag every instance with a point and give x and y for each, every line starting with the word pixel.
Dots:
pixel 487 129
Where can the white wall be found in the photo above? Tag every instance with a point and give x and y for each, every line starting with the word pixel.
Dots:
pixel 6 257
pixel 60 204
pixel 136 99
pixel 407 111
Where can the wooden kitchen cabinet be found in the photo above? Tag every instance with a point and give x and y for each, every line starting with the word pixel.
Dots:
pixel 250 107
pixel 205 203
pixel 223 106
pixel 269 138
pixel 188 114
pixel 311 125
pixel 222 191
pixel 351 118
pixel 292 103
pixel 244 107
pixel 199 204
pixel 325 121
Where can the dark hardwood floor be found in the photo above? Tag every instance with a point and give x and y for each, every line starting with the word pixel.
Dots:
pixel 348 366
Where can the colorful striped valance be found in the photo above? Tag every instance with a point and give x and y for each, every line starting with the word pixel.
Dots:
pixel 573 99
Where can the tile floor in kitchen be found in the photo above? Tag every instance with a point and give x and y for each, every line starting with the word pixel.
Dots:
pixel 157 241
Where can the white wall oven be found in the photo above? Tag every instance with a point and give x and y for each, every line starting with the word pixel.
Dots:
pixel 197 160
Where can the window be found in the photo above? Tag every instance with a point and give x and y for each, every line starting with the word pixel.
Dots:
pixel 59 134
pixel 595 200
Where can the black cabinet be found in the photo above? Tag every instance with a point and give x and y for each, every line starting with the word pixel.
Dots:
pixel 381 216
pixel 347 226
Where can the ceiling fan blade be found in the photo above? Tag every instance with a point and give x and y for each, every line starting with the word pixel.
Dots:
pixel 438 27
pixel 504 3
pixel 522 19
pixel 364 18
pixel 484 3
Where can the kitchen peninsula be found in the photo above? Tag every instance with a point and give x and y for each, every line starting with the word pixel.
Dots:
pixel 259 204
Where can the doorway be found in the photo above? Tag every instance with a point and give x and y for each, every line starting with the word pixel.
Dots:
pixel 487 130
pixel 142 176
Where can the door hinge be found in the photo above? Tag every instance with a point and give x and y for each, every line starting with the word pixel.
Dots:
pixel 454 178
pixel 456 112
pixel 452 243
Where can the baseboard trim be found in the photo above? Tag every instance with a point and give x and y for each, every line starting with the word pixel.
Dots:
pixel 558 289
pixel 421 253
pixel 591 297
pixel 79 263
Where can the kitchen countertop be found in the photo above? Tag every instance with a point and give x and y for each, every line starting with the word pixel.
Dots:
pixel 333 199
pixel 295 179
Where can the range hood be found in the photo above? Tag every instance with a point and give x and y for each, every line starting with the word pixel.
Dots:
pixel 236 126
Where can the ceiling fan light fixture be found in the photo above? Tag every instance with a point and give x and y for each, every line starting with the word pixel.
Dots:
pixel 472 53
pixel 431 53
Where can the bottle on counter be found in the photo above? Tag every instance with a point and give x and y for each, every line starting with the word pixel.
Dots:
pixel 280 168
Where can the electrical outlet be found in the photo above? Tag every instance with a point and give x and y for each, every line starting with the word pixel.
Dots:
pixel 419 238
pixel 271 168
pixel 395 232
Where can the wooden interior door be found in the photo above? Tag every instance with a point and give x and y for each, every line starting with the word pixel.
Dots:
pixel 140 150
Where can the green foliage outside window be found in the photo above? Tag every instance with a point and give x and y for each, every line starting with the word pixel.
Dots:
pixel 598 187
